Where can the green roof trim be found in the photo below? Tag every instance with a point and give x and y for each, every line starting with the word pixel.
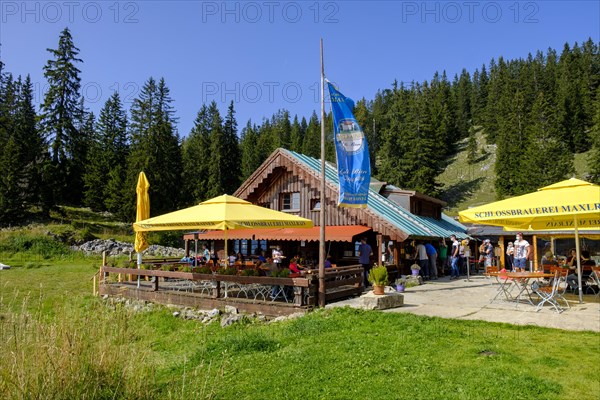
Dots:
pixel 415 226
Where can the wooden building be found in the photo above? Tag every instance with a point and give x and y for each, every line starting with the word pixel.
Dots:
pixel 290 182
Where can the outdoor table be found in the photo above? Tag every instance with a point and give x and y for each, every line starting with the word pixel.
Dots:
pixel 519 280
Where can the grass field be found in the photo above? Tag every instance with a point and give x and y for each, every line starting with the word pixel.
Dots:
pixel 464 185
pixel 60 342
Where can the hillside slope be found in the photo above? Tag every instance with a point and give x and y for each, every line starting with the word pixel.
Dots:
pixel 464 185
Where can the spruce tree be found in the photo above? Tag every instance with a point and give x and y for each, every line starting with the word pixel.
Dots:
pixel 108 153
pixel 594 156
pixel 312 140
pixel 546 159
pixel 231 148
pixel 196 159
pixel 471 147
pixel 61 111
pixel 217 139
pixel 296 136
pixel 33 153
pixel 154 149
pixel 249 150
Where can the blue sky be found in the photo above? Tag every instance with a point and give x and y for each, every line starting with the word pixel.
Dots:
pixel 264 55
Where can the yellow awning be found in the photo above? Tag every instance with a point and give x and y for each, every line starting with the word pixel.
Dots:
pixel 222 213
pixel 558 206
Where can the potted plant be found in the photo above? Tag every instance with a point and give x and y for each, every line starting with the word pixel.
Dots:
pixel 400 284
pixel 414 269
pixel 378 276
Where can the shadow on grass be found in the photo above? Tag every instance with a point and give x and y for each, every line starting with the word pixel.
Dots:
pixel 461 191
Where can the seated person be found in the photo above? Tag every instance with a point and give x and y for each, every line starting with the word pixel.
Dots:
pixel 295 266
pixel 548 259
pixel 239 257
pixel 328 262
pixel 232 258
pixel 585 273
pixel 262 257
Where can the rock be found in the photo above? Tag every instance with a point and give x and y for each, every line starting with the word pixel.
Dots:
pixel 278 319
pixel 230 319
pixel 4 266
pixel 231 310
pixel 176 314
pixel 213 313
pixel 391 299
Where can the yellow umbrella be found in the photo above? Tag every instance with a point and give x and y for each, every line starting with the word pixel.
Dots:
pixel 566 205
pixel 222 213
pixel 142 211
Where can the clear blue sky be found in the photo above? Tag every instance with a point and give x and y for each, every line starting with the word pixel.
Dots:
pixel 264 55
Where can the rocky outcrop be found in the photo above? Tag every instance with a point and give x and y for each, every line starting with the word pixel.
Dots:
pixel 115 248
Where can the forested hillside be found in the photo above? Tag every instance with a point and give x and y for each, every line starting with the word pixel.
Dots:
pixel 537 113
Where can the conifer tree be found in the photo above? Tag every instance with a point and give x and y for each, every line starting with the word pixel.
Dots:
pixel 109 148
pixel 61 111
pixel 154 149
pixel 312 140
pixel 594 157
pixel 249 149
pixel 471 147
pixel 296 136
pixel 197 159
pixel 546 159
pixel 231 151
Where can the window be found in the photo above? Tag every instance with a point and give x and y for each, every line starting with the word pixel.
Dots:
pixel 315 204
pixel 290 202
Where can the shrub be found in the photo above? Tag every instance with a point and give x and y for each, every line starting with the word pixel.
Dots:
pixel 249 272
pixel 204 270
pixel 379 276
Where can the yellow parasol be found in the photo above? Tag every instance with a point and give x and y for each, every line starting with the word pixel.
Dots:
pixel 142 212
pixel 222 213
pixel 567 205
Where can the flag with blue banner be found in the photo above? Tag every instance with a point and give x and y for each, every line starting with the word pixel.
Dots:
pixel 354 167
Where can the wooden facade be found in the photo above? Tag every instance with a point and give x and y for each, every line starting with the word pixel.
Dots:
pixel 281 174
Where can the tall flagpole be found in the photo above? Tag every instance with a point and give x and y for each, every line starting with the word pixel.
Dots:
pixel 322 210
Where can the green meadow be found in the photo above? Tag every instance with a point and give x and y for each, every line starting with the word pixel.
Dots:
pixel 60 342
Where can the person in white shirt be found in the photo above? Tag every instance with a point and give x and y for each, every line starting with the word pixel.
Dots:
pixel 521 253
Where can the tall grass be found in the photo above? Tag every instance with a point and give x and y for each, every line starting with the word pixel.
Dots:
pixel 88 351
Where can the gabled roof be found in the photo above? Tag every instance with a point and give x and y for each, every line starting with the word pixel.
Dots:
pixel 413 226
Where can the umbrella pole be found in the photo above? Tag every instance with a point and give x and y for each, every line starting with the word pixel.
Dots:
pixel 139 264
pixel 578 262
pixel 226 253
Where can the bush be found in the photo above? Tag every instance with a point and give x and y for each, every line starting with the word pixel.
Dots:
pixel 204 270
pixel 249 272
pixel 379 276
pixel 38 245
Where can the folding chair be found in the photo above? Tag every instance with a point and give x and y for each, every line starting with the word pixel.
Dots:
pixel 552 292
pixel 595 279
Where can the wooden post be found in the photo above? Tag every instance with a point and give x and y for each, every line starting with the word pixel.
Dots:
pixel 502 253
pixel 323 202
pixel 379 252
pixel 535 253
pixel 94 286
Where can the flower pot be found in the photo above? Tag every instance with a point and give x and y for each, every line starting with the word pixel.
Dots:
pixel 415 272
pixel 399 288
pixel 378 289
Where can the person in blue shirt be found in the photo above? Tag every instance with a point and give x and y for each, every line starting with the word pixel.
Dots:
pixel 364 257
pixel 432 255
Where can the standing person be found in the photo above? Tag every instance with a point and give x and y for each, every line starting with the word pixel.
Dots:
pixel 277 255
pixel 422 259
pixel 432 255
pixel 454 254
pixel 443 253
pixel 364 257
pixel 522 250
pixel 510 256
pixel 488 253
